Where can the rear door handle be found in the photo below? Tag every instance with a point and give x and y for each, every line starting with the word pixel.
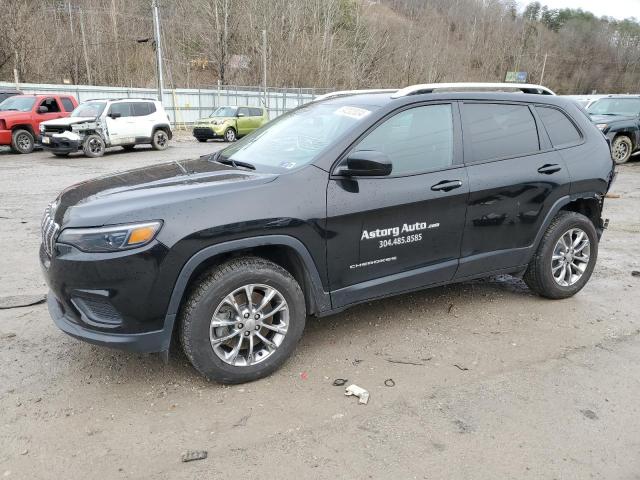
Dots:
pixel 549 168
pixel 446 185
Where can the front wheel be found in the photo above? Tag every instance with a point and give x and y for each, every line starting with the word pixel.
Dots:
pixel 93 146
pixel 160 140
pixel 242 320
pixel 230 135
pixel 22 141
pixel 565 258
pixel 621 149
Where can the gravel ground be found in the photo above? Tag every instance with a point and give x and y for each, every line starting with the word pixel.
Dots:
pixel 490 380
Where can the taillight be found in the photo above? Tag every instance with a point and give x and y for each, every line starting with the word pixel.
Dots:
pixel 3 125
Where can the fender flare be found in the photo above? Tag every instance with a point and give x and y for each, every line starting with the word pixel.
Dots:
pixel 320 299
pixel 163 126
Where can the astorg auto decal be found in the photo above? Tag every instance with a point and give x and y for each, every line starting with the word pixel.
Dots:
pixel 397 235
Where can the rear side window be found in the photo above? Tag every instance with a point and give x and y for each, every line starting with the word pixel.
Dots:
pixel 561 130
pixel 124 109
pixel 141 109
pixel 244 111
pixel 67 104
pixel 497 131
pixel 416 140
pixel 51 104
pixel 256 112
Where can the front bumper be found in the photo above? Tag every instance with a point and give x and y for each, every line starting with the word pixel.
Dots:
pixel 208 132
pixel 60 143
pixel 148 342
pixel 118 300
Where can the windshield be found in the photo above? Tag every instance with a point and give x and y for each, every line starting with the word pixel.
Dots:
pixel 18 104
pixel 89 109
pixel 615 106
pixel 294 139
pixel 224 112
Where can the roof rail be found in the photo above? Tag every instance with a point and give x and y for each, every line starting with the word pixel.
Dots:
pixel 341 93
pixel 431 87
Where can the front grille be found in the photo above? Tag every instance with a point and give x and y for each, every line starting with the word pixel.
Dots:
pixel 56 128
pixel 50 230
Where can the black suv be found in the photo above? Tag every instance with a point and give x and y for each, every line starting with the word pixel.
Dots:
pixel 618 117
pixel 351 198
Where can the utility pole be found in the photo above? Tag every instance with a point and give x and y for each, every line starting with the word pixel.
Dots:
pixel 544 64
pixel 156 24
pixel 264 66
pixel 73 40
pixel 84 47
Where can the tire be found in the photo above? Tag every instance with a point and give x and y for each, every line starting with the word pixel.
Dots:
pixel 128 148
pixel 93 146
pixel 22 141
pixel 621 149
pixel 539 276
pixel 230 135
pixel 61 155
pixel 160 140
pixel 206 299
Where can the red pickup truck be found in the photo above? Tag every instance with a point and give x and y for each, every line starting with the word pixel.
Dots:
pixel 20 118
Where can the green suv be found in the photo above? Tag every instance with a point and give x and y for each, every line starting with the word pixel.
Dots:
pixel 230 123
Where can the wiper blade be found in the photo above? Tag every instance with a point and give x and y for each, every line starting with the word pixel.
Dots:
pixel 235 163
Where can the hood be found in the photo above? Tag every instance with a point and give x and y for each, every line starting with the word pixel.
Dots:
pixel 117 198
pixel 610 118
pixel 68 121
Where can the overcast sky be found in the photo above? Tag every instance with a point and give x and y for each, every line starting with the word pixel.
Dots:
pixel 619 9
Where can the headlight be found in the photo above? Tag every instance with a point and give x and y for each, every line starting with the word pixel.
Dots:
pixel 110 239
pixel 601 126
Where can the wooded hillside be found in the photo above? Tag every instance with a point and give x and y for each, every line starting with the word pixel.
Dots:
pixel 317 43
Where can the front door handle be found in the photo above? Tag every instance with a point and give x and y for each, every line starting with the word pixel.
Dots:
pixel 549 168
pixel 446 185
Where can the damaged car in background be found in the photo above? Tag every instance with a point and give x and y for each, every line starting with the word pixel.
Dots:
pixel 99 124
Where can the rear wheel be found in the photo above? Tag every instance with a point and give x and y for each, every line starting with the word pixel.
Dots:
pixel 93 146
pixel 22 141
pixel 160 140
pixel 621 149
pixel 242 320
pixel 565 258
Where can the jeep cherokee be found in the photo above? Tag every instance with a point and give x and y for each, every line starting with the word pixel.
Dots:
pixel 351 198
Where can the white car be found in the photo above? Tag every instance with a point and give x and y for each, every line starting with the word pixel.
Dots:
pixel 96 125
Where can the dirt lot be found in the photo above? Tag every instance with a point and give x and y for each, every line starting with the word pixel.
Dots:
pixel 491 381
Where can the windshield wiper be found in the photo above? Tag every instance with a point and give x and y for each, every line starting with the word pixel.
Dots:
pixel 234 163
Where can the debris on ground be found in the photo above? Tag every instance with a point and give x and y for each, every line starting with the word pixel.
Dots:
pixel 635 273
pixel 304 375
pixel 359 392
pixel 243 421
pixel 409 362
pixel 389 382
pixel 19 301
pixel 460 367
pixel 612 195
pixel 192 455
pixel 590 414
pixel 338 382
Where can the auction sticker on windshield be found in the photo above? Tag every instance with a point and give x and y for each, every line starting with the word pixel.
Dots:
pixel 353 112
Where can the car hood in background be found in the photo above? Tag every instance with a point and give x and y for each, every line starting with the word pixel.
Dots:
pixel 68 121
pixel 611 118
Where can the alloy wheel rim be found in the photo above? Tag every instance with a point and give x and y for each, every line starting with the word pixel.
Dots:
pixel 230 135
pixel 161 138
pixel 620 151
pixel 249 325
pixel 24 143
pixel 95 146
pixel 570 257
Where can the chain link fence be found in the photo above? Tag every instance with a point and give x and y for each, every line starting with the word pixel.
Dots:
pixel 186 105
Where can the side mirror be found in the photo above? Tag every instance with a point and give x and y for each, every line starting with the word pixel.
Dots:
pixel 367 163
pixel 240 115
pixel 114 115
pixel 43 109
